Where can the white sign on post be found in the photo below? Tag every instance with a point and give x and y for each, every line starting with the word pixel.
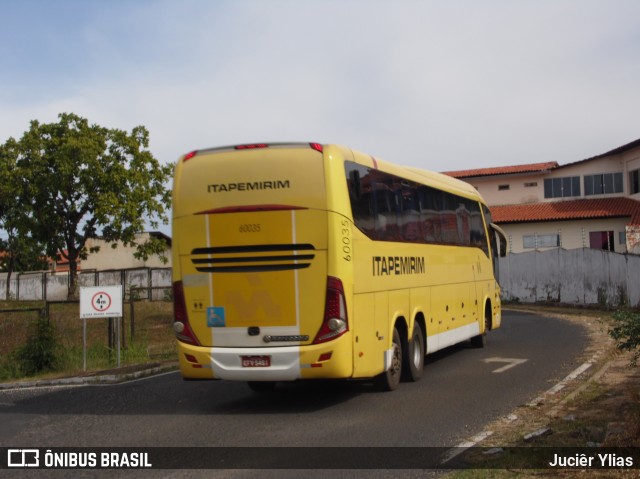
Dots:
pixel 100 302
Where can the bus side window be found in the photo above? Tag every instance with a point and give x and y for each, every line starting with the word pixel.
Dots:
pixel 361 197
pixel 430 214
pixel 410 217
pixel 449 218
pixel 355 189
pixel 478 235
pixel 389 208
pixel 384 212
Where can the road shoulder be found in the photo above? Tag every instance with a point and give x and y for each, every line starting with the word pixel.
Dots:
pixel 597 405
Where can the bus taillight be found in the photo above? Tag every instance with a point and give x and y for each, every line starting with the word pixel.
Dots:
pixel 335 322
pixel 190 155
pixel 181 320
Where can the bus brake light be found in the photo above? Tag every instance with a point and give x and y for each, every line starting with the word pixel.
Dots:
pixel 335 322
pixel 181 320
pixel 190 155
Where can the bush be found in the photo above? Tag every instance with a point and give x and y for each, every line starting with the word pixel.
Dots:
pixel 626 332
pixel 40 352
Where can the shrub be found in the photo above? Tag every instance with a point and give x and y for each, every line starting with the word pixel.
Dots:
pixel 626 332
pixel 39 353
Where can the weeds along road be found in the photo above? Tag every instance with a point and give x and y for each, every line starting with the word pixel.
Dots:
pixel 462 390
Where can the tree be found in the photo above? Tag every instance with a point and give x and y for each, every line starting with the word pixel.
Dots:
pixel 82 181
pixel 19 250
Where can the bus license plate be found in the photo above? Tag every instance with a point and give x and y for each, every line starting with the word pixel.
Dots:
pixel 256 361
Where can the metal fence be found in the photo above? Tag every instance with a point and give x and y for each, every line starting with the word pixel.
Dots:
pixel 146 332
pixel 49 286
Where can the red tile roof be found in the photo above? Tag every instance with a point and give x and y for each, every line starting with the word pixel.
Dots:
pixel 503 170
pixel 568 210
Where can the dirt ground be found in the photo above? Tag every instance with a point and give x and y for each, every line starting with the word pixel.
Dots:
pixel 598 408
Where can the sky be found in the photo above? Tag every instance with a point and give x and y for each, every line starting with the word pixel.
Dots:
pixel 442 85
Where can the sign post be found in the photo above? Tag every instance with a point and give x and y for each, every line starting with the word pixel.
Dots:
pixel 100 302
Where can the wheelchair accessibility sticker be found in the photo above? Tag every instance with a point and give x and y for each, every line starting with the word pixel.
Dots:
pixel 215 317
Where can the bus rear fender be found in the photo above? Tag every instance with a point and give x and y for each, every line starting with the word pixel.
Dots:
pixel 494 309
pixel 400 323
pixel 419 319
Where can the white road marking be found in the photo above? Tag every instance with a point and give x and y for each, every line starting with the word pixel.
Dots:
pixel 558 387
pixel 463 446
pixel 511 363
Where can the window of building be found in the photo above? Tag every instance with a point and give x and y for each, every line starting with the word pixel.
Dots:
pixel 541 241
pixel 603 184
pixel 562 187
pixel 601 240
pixel 622 238
pixel 634 181
pixel 531 184
pixel 503 187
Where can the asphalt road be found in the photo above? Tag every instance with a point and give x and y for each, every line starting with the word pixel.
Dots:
pixel 462 390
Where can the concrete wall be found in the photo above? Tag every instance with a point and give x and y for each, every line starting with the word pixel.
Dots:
pixel 579 276
pixel 39 286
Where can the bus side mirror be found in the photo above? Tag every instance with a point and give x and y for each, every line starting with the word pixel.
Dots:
pixel 503 247
pixel 502 240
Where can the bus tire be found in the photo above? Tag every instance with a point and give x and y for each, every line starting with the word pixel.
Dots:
pixel 262 386
pixel 413 355
pixel 390 379
pixel 480 341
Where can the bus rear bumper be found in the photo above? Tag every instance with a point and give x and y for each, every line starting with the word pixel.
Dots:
pixel 331 360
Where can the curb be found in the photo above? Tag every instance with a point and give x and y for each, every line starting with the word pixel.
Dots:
pixel 112 378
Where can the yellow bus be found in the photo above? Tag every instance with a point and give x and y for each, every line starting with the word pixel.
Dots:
pixel 308 261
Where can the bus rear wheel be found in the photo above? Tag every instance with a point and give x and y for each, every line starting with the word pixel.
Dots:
pixel 390 379
pixel 480 341
pixel 414 355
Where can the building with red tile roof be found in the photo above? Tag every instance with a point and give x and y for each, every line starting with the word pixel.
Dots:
pixel 568 210
pixel 503 170
pixel 588 203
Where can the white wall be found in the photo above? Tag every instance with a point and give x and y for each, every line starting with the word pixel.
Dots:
pixel 580 276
